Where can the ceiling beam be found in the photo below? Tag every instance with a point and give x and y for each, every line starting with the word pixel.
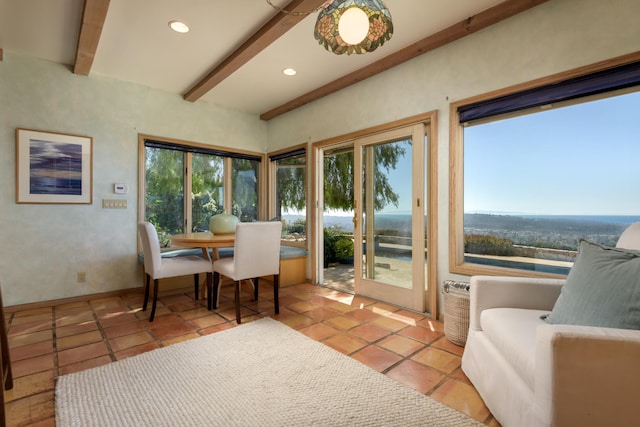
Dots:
pixel 457 31
pixel 93 17
pixel 270 32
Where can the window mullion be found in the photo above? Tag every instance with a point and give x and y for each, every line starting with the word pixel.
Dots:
pixel 188 180
pixel 228 184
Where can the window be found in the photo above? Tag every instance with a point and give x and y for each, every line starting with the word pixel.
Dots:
pixel 185 184
pixel 245 189
pixel 541 172
pixel 289 170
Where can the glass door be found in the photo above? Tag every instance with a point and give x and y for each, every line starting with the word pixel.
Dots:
pixel 335 218
pixel 389 254
pixel 373 208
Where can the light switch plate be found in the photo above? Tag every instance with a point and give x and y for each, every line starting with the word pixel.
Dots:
pixel 114 203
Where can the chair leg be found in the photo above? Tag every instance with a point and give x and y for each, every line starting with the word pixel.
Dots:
pixel 155 300
pixel 146 293
pixel 237 298
pixel 255 288
pixel 213 298
pixel 276 286
pixel 209 289
pixel 196 285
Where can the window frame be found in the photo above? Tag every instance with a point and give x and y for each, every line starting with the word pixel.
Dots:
pixel 272 184
pixel 228 153
pixel 457 263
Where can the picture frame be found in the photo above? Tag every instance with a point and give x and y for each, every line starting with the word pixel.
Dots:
pixel 53 168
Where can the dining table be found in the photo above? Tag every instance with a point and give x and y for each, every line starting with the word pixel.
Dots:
pixel 204 240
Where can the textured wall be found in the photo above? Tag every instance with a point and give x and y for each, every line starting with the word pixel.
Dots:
pixel 42 247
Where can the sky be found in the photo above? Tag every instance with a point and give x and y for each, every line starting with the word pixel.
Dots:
pixel 578 160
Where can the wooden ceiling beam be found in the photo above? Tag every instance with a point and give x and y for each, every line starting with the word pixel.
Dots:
pixel 93 17
pixel 270 32
pixel 457 31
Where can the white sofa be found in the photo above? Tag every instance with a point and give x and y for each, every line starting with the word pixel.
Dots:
pixel 531 373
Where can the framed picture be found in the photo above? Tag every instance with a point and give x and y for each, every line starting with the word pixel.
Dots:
pixel 53 167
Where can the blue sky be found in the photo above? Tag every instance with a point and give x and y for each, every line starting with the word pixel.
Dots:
pixel 400 180
pixel 579 160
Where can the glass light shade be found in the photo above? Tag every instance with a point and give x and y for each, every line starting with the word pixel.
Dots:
pixel 353 26
pixel 330 31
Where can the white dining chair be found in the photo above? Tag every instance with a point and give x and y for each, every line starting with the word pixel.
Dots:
pixel 156 267
pixel 256 253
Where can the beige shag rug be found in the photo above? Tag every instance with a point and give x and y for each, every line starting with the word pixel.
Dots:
pixel 259 374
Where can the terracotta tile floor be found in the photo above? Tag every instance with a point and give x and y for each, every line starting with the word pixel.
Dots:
pixel 52 341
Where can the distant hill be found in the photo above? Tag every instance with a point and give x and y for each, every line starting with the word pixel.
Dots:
pixel 562 232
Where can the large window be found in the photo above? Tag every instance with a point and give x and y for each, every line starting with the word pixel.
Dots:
pixel 185 184
pixel 289 189
pixel 539 176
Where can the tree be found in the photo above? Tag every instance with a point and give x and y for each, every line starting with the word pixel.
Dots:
pixel 339 173
pixel 164 193
pixel 164 189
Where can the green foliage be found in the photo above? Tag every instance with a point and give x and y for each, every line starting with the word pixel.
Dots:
pixel 244 175
pixel 339 178
pixel 298 226
pixel 164 194
pixel 164 185
pixel 344 248
pixel 487 245
pixel 337 245
pixel 291 178
pixel 338 181
pixel 339 173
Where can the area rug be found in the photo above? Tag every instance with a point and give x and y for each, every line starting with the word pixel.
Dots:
pixel 259 374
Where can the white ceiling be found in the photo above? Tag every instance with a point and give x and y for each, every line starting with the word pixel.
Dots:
pixel 137 45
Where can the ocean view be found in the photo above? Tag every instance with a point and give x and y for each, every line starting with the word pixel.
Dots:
pixel 551 231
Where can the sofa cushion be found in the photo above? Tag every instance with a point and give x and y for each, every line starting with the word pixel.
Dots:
pixel 513 332
pixel 602 289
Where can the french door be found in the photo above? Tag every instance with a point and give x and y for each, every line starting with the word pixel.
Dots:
pixel 389 216
pixel 389 261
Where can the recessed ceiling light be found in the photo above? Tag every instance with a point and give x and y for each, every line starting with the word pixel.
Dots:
pixel 289 72
pixel 179 26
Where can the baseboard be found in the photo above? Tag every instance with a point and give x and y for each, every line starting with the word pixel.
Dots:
pixel 69 300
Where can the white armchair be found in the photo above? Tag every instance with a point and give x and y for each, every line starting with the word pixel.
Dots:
pixel 532 373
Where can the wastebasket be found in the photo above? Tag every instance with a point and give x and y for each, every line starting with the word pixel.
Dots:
pixel 456 311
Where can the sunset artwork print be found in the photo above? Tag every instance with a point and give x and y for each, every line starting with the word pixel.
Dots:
pixel 55 168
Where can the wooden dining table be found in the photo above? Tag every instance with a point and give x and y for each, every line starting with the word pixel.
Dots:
pixel 204 240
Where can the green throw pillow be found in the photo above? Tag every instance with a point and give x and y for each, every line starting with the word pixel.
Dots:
pixel 602 289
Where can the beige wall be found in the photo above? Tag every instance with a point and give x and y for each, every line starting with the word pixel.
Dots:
pixel 550 38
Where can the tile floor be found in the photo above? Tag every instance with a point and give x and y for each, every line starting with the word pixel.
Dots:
pixel 57 340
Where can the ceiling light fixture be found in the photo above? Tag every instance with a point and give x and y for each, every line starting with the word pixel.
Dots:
pixel 289 72
pixel 350 26
pixel 179 26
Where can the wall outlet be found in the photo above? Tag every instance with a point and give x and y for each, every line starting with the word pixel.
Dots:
pixel 82 276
